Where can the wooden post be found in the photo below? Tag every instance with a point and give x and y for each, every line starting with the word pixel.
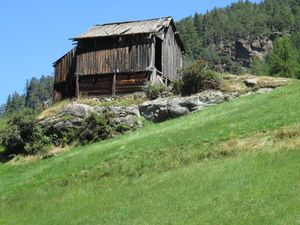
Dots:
pixel 113 88
pixel 77 87
pixel 152 60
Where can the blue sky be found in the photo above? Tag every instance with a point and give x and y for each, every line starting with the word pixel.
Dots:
pixel 35 33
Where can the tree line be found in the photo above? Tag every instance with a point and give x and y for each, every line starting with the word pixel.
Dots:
pixel 203 33
pixel 38 92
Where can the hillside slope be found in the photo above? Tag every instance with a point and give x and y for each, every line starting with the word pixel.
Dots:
pixel 234 163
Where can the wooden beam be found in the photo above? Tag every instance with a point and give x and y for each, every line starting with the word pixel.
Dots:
pixel 113 86
pixel 152 60
pixel 77 87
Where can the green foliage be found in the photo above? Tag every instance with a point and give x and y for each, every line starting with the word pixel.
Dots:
pixel 284 60
pixel 177 86
pixel 24 135
pixel 296 39
pixel 2 110
pixel 211 55
pixel 38 91
pixel 190 35
pixel 154 89
pixel 95 127
pixel 21 126
pixel 14 103
pixel 259 67
pixel 280 16
pixel 196 78
pixel 203 34
pixel 39 143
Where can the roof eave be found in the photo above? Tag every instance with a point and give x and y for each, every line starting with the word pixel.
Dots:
pixel 114 35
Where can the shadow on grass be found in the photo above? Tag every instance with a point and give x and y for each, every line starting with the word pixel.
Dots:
pixel 5 157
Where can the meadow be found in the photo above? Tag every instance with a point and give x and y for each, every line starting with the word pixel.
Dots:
pixel 233 163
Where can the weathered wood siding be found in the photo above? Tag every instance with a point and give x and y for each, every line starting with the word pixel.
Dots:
pixel 103 85
pixel 113 54
pixel 172 56
pixel 93 85
pixel 130 83
pixel 117 65
pixel 64 81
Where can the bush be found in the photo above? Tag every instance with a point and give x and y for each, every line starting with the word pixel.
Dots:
pixel 24 135
pixel 12 141
pixel 177 86
pixel 95 127
pixel 38 143
pixel 154 90
pixel 21 127
pixel 196 78
pixel 259 67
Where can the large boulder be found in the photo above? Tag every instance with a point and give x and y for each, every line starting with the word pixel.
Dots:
pixel 251 82
pixel 163 109
pixel 77 110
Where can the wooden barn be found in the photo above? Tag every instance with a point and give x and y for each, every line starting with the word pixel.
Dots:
pixel 119 58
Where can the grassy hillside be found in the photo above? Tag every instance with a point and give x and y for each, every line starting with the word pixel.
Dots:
pixel 234 163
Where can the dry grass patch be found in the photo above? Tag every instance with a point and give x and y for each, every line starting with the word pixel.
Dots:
pixel 127 100
pixel 285 138
pixel 234 83
pixel 53 109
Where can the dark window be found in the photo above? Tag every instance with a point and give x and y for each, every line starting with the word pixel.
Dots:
pixel 158 54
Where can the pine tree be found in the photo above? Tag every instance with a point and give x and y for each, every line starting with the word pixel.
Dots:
pixel 284 59
pixel 190 36
pixel 32 99
pixel 15 103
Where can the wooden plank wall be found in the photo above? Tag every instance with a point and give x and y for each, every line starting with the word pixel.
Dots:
pixel 102 85
pixel 172 56
pixel 64 70
pixel 93 86
pixel 130 83
pixel 113 54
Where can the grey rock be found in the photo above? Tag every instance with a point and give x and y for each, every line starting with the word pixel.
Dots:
pixel 242 50
pixel 163 109
pixel 177 111
pixel 77 110
pixel 251 82
pixel 191 103
pixel 264 90
pixel 211 97
pixel 73 115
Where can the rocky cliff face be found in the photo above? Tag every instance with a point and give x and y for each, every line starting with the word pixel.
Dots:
pixel 242 50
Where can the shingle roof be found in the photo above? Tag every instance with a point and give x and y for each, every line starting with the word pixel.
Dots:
pixel 126 28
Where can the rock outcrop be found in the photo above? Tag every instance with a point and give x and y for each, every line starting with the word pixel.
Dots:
pixel 165 108
pixel 73 115
pixel 127 118
pixel 242 50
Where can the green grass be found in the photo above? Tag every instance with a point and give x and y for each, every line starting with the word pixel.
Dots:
pixel 198 169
